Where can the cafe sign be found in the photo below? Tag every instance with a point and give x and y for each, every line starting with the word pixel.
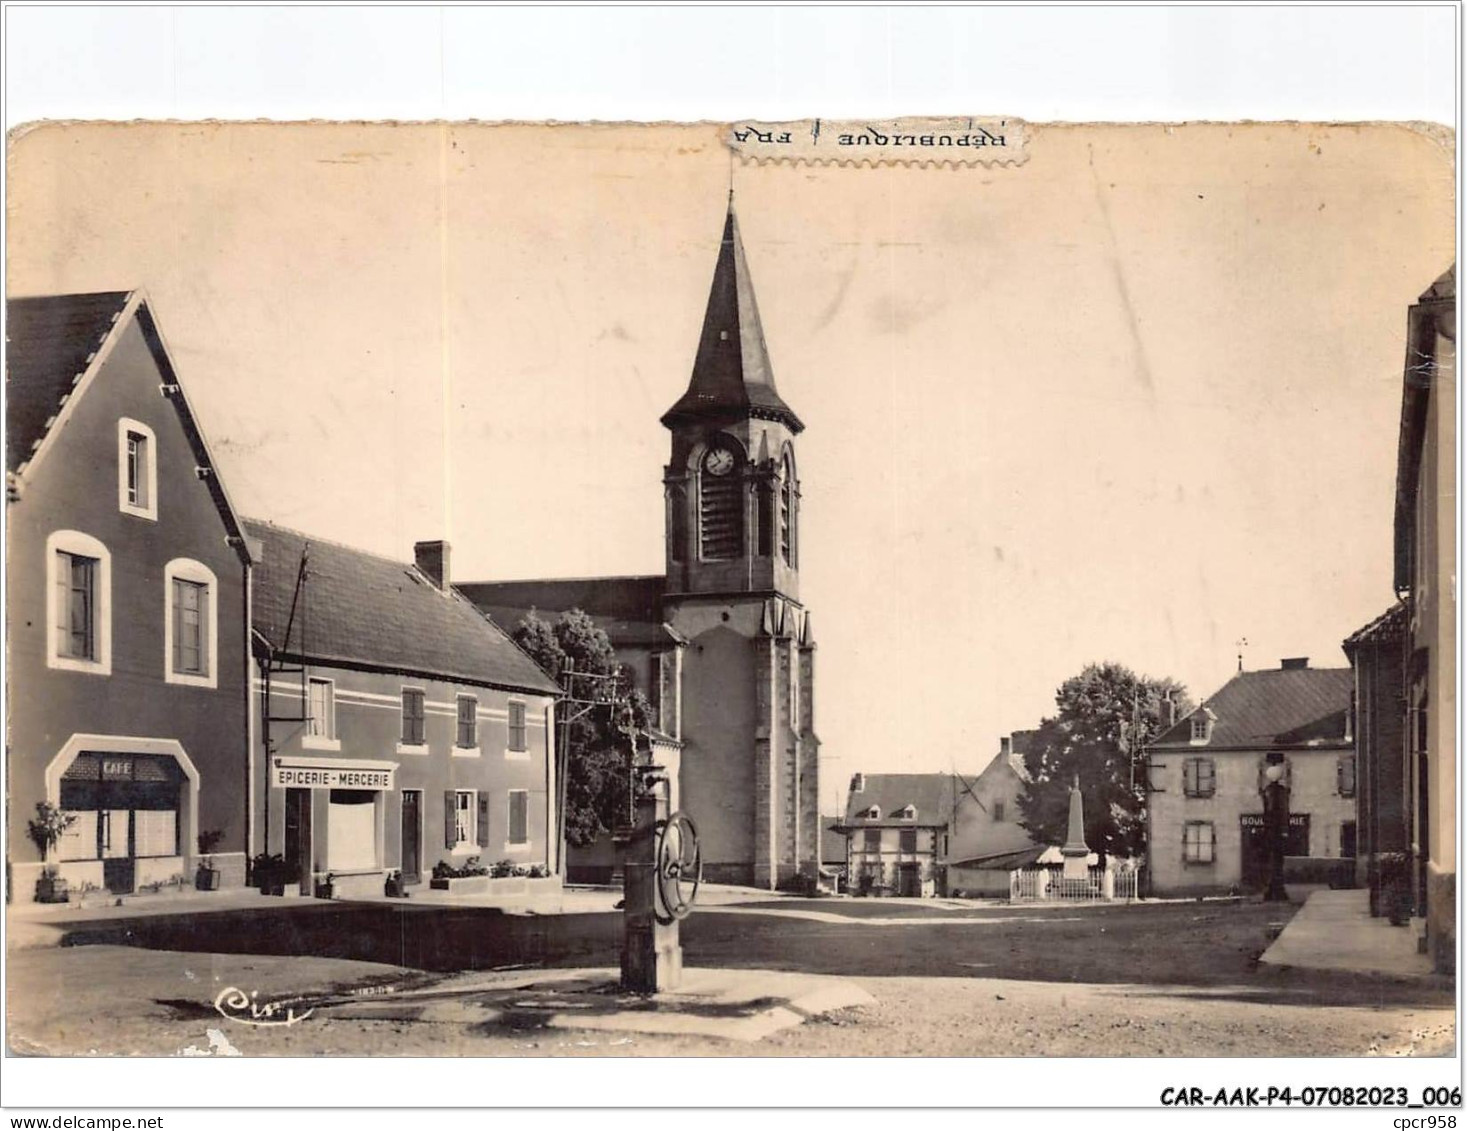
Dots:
pixel 293 775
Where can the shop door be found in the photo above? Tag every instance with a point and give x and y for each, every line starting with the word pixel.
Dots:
pixel 412 828
pixel 1255 851
pixel 119 867
pixel 297 835
pixel 910 880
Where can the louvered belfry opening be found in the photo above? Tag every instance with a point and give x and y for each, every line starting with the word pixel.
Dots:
pixel 720 517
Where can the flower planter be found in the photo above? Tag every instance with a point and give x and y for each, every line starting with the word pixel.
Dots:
pixel 394 887
pixel 207 879
pixel 52 889
pixel 460 885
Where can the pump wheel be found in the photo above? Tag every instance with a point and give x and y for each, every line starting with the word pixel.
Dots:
pixel 679 867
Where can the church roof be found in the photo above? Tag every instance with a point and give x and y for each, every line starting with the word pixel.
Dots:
pixel 627 609
pixel 732 377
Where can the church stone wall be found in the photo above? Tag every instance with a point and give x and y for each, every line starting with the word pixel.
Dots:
pixel 719 724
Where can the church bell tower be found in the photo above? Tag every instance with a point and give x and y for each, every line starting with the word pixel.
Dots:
pixel 733 494
pixel 749 769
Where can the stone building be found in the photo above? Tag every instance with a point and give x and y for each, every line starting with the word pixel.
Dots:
pixel 1207 830
pixel 720 640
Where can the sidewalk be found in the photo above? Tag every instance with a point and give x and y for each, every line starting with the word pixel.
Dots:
pixel 1334 930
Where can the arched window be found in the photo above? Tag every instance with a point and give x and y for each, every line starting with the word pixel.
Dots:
pixel 720 501
pixel 787 516
pixel 677 503
pixel 764 497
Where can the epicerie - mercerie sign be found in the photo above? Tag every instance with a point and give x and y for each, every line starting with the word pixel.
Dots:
pixel 329 777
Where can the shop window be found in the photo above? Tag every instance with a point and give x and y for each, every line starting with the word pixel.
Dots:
pixel 79 612
pixel 190 623
pixel 1198 842
pixel 413 729
pixel 468 723
pixel 1345 776
pixel 518 743
pixel 351 831
pixel 137 469
pixel 1199 777
pixel 519 814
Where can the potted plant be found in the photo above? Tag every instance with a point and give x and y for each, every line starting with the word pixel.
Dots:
pixel 267 872
pixel 394 887
pixel 1395 888
pixel 207 877
pixel 326 889
pixel 46 829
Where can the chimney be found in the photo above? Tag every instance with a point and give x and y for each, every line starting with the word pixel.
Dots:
pixel 858 783
pixel 1005 746
pixel 431 559
pixel 1294 664
pixel 1168 712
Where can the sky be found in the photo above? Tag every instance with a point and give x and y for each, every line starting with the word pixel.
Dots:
pixel 1135 399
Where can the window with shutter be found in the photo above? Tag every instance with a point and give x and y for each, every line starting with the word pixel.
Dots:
pixel 450 819
pixel 517 739
pixel 909 840
pixel 412 717
pixel 873 840
pixel 1345 776
pixel 1199 777
pixel 519 811
pixel 468 722
pixel 481 837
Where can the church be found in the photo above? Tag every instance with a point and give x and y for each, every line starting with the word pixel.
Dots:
pixel 720 641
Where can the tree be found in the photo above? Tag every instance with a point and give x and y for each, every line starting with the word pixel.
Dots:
pixel 1106 716
pixel 578 655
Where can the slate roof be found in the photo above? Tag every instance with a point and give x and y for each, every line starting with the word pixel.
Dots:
pixel 891 793
pixel 50 340
pixel 627 609
pixel 360 608
pixel 732 377
pixel 1272 708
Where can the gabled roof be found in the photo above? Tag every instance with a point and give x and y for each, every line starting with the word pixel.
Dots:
pixel 627 609
pixel 358 609
pixel 50 342
pixel 55 346
pixel 1279 707
pixel 930 794
pixel 732 378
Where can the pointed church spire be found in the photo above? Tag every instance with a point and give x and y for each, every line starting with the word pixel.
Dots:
pixel 732 377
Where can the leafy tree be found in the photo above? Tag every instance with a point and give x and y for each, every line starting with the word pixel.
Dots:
pixel 1106 715
pixel 579 656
